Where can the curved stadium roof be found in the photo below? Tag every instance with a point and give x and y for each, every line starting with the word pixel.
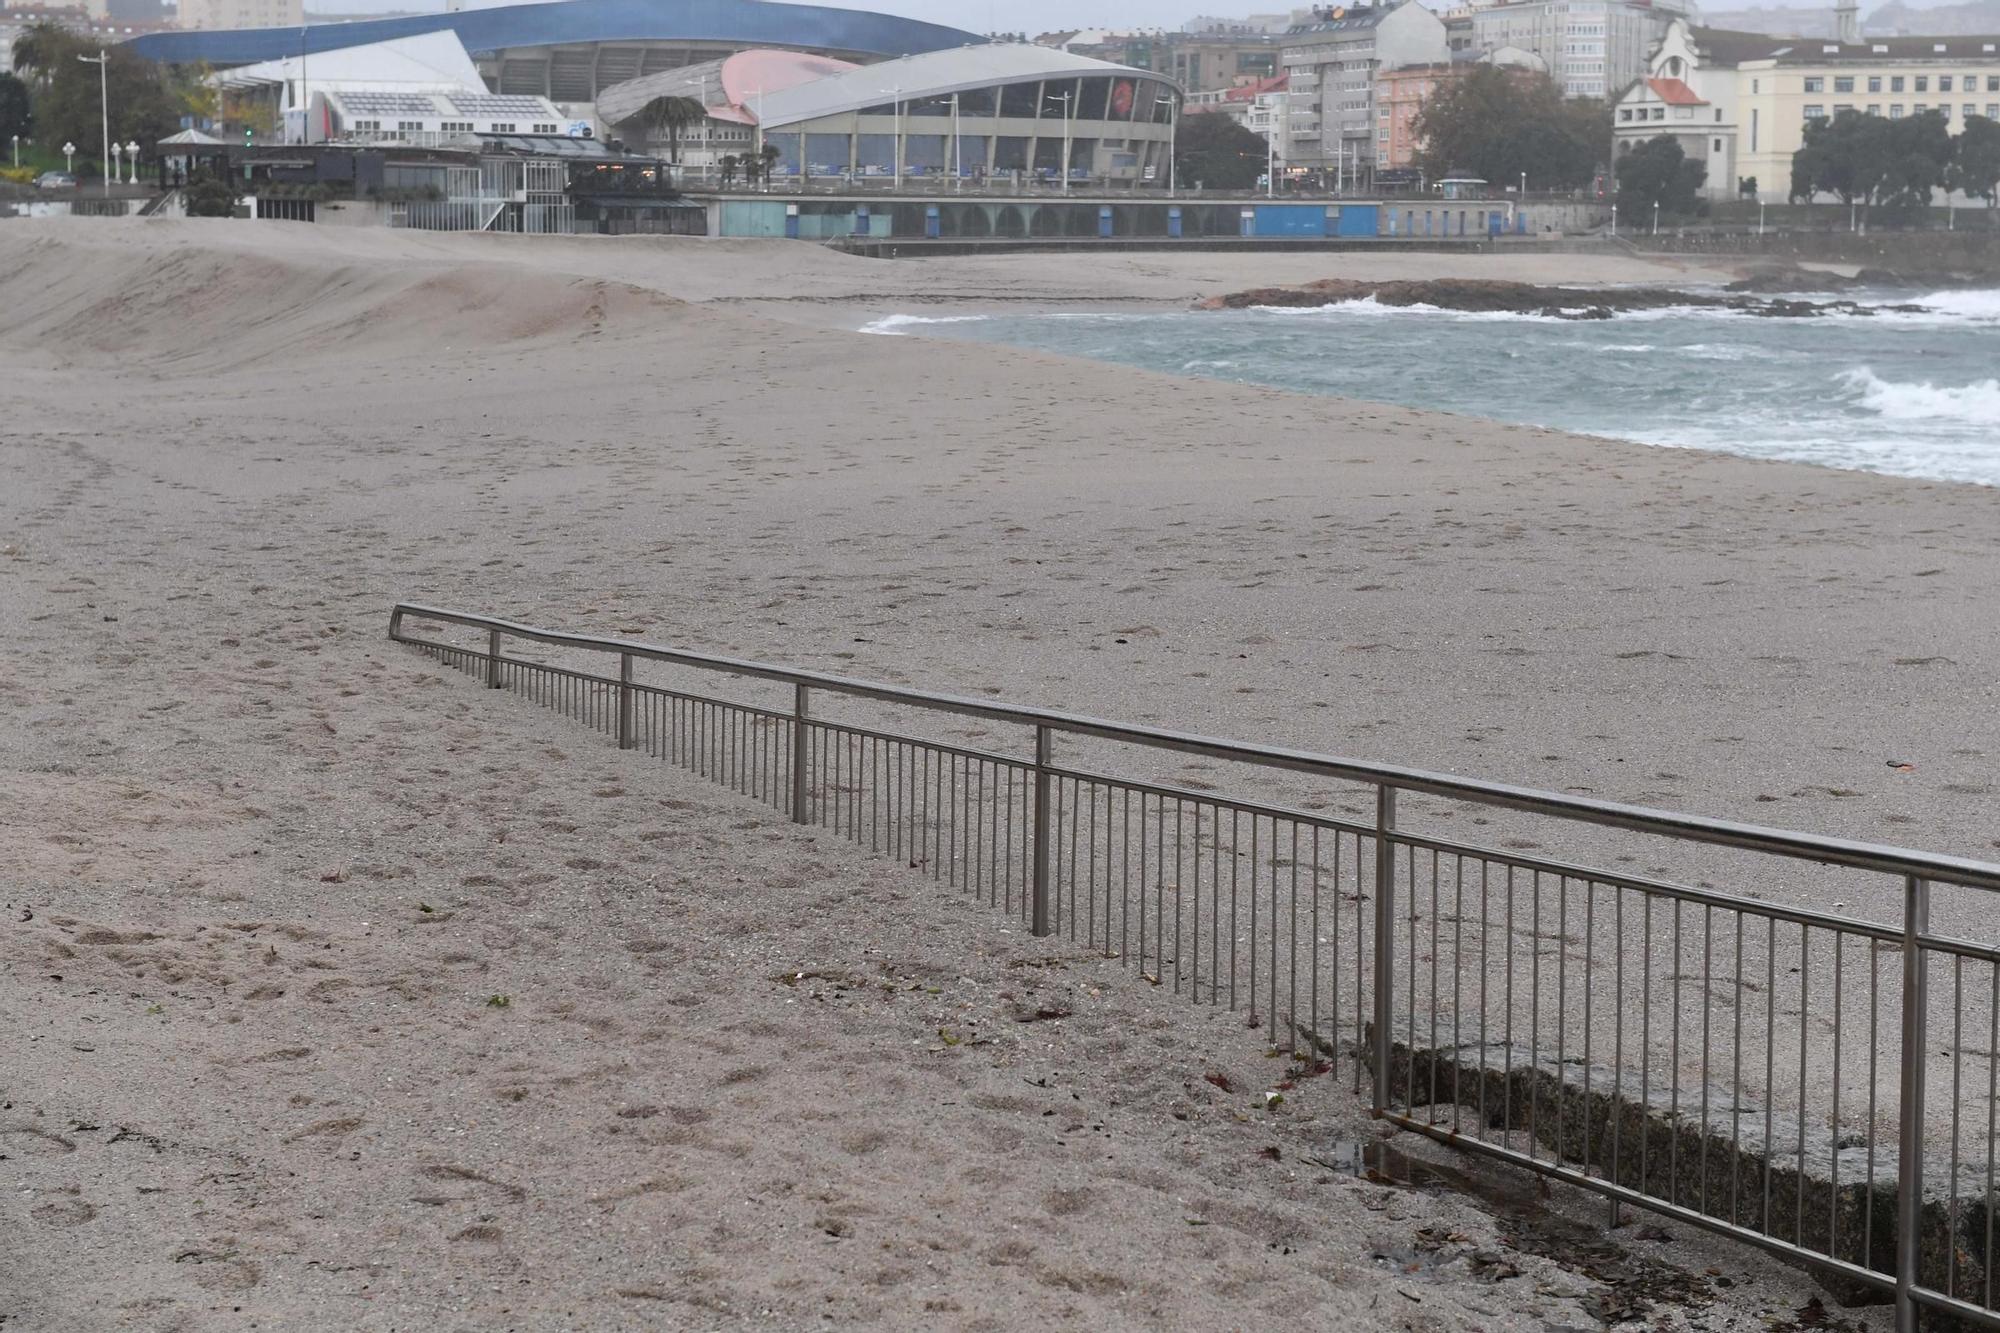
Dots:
pixel 748 22
pixel 933 74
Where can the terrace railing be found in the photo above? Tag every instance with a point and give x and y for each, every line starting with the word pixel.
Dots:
pixel 1821 1084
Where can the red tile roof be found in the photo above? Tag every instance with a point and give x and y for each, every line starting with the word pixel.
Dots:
pixel 1674 92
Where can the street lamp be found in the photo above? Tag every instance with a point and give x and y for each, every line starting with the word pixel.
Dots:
pixel 896 96
pixel 17 150
pixel 132 156
pixel 112 173
pixel 69 159
pixel 1656 217
pixel 1066 99
pixel 103 104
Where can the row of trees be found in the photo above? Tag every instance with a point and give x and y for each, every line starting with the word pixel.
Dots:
pixel 1894 165
pixel 53 97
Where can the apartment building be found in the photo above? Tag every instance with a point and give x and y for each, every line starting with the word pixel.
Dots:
pixel 1331 63
pixel 1593 48
pixel 1400 95
pixel 228 14
pixel 1739 101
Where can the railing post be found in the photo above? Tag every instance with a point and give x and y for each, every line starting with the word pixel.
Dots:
pixel 1385 942
pixel 1044 745
pixel 801 701
pixel 625 741
pixel 1910 1153
pixel 493 659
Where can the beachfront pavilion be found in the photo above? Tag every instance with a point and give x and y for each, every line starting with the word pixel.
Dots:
pixel 970 112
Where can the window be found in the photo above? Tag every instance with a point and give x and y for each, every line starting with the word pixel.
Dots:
pixel 1659 113
pixel 1625 113
pixel 1895 110
pixel 1874 108
pixel 1753 86
pixel 367 125
pixel 1718 145
pixel 1753 129
pixel 1993 110
pixel 545 129
pixel 1944 109
pixel 1923 84
pixel 1840 108
pixel 1920 108
pixel 500 127
pixel 1969 109
pixel 1814 111
pixel 1843 83
pixel 1895 83
pixel 407 125
pixel 1874 83
pixel 1815 85
pixel 1944 83
pixel 1993 83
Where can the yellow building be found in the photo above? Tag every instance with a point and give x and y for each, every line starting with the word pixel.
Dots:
pixel 1740 101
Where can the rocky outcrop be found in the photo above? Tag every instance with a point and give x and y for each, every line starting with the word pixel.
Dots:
pixel 1486 295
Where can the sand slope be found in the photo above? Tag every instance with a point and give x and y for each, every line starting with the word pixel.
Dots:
pixel 266 872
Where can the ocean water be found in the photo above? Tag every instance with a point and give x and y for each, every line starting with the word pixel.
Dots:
pixel 1910 394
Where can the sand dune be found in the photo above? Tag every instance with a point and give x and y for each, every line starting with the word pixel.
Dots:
pixel 351 995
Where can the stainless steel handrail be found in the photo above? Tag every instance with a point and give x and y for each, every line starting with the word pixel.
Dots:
pixel 1639 819
pixel 1912 1281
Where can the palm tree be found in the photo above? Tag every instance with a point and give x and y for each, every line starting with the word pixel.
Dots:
pixel 771 154
pixel 672 114
pixel 729 164
pixel 41 48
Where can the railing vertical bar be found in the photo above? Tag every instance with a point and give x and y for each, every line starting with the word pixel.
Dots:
pixel 801 731
pixel 626 739
pixel 1044 756
pixel 1910 1104
pixel 1385 940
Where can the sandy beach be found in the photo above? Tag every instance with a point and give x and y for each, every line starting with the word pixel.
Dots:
pixel 346 995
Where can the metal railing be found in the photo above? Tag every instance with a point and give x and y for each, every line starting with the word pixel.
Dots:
pixel 1728 1060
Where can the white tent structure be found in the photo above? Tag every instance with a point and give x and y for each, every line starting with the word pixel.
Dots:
pixel 431 62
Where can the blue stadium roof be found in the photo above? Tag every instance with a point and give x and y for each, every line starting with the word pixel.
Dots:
pixel 748 22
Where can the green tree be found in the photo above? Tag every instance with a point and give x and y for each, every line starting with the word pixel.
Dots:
pixel 673 116
pixel 771 153
pixel 17 115
pixel 209 195
pixel 43 48
pixel 1975 167
pixel 1888 164
pixel 1219 153
pixel 1499 122
pixel 140 106
pixel 1657 172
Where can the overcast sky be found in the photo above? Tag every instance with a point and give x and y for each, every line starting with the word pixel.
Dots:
pixel 1030 16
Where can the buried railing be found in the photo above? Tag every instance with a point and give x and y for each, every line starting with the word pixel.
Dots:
pixel 1738 1064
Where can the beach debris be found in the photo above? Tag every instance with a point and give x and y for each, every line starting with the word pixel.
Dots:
pixel 1901 767
pixel 1220 1081
pixel 499 1001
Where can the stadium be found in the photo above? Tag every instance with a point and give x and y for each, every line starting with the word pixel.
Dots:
pixel 570 50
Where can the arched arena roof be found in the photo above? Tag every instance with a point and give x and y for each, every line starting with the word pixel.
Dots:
pixel 570 22
pixel 933 74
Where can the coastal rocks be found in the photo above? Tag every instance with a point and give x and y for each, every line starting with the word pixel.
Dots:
pixel 1490 296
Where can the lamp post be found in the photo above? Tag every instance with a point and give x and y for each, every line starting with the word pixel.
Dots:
pixel 17 150
pixel 1656 217
pixel 1067 99
pixel 111 171
pixel 69 159
pixel 1524 187
pixel 1614 222
pixel 132 156
pixel 957 162
pixel 1173 134
pixel 896 96
pixel 103 106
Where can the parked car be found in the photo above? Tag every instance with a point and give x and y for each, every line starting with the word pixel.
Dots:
pixel 55 180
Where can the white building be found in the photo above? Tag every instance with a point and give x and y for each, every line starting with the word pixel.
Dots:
pixel 1330 63
pixel 230 14
pixel 1593 48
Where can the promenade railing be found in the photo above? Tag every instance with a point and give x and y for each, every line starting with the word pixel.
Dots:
pixel 1822 1084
